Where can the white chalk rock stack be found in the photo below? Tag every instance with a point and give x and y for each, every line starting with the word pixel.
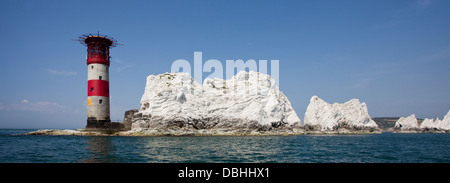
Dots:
pixel 249 100
pixel 431 125
pixel 351 115
pixel 409 123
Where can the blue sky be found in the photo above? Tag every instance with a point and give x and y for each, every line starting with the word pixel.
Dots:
pixel 393 55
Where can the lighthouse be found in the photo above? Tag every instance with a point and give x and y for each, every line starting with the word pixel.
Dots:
pixel 98 61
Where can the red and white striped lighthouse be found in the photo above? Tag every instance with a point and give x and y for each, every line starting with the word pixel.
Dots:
pixel 98 61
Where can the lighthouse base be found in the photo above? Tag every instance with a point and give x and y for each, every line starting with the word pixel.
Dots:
pixel 104 126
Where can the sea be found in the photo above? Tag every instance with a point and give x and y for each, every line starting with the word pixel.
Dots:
pixel 374 148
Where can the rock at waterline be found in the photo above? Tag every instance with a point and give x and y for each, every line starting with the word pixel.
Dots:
pixel 431 125
pixel 409 123
pixel 412 125
pixel 249 102
pixel 349 116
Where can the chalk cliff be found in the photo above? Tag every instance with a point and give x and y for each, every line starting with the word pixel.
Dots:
pixel 249 102
pixel 409 123
pixel 431 125
pixel 350 116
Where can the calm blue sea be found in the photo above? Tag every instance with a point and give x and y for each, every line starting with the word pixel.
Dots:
pixel 381 148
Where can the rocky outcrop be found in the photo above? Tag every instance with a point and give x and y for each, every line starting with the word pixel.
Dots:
pixel 128 118
pixel 412 125
pixel 80 132
pixel 436 126
pixel 248 103
pixel 351 116
pixel 408 124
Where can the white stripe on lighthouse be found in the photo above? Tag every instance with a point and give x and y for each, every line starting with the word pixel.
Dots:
pixel 97 70
pixel 99 107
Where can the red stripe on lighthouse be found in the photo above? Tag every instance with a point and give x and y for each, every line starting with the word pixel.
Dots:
pixel 97 60
pixel 98 88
